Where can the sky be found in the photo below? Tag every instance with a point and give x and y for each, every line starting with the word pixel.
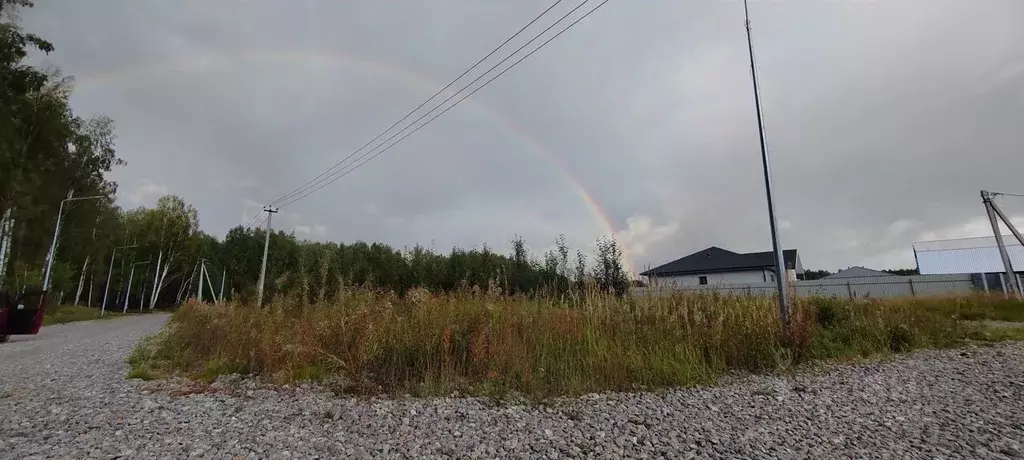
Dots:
pixel 884 119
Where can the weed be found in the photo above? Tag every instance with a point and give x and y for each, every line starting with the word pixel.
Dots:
pixel 485 343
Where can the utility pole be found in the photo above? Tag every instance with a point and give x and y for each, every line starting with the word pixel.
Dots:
pixel 110 271
pixel 223 277
pixel 56 231
pixel 266 248
pixel 993 210
pixel 202 268
pixel 209 283
pixel 85 266
pixel 128 291
pixel 780 263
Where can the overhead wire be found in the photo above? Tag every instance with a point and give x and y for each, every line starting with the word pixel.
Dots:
pixel 342 173
pixel 310 183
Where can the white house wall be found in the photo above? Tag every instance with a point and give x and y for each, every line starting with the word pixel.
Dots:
pixel 715 279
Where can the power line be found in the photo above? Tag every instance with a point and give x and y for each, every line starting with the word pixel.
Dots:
pixel 311 183
pixel 257 221
pixel 252 220
pixel 339 174
pixel 1008 194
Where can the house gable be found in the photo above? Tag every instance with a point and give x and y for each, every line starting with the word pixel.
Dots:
pixel 715 259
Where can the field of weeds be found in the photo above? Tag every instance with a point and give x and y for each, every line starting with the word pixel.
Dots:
pixel 478 343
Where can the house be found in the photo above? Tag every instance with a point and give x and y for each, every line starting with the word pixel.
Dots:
pixel 716 266
pixel 856 272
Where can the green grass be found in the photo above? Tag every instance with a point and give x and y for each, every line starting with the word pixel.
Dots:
pixel 477 343
pixel 72 313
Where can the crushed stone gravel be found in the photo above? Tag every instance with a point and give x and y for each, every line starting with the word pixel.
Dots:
pixel 63 394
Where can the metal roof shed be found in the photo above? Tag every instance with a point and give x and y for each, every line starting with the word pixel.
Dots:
pixel 966 255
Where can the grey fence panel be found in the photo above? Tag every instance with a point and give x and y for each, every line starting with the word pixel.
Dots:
pixel 875 287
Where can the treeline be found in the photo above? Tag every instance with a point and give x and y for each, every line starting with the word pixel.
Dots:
pixel 158 256
pixel 46 151
pixel 155 256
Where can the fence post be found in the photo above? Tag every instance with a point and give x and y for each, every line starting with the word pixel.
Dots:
pixel 913 293
pixel 1002 282
pixel 984 281
pixel 849 290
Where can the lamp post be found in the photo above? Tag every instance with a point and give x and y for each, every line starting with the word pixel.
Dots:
pixel 56 231
pixel 110 270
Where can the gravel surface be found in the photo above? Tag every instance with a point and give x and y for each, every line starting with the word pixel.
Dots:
pixel 63 395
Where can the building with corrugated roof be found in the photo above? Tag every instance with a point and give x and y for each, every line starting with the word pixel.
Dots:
pixel 966 255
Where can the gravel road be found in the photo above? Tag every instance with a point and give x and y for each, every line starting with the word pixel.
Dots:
pixel 63 395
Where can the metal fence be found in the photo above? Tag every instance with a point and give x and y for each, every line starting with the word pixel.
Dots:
pixel 875 286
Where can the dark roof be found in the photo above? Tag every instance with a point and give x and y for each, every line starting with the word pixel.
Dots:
pixel 857 272
pixel 716 259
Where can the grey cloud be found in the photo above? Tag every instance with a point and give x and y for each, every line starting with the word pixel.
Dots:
pixel 884 118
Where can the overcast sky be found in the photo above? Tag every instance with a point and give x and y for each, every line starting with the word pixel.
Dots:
pixel 885 119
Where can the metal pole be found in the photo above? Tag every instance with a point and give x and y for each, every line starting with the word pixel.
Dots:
pixel 986 198
pixel 56 230
pixel 266 248
pixel 780 263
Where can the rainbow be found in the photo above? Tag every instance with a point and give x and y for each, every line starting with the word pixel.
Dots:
pixel 406 77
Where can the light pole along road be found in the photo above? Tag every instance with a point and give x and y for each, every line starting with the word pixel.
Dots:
pixel 56 231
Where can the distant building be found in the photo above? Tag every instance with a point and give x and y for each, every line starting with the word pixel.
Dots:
pixel 856 272
pixel 716 266
pixel 967 255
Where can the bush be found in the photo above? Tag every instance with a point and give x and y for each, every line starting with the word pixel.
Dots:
pixel 480 343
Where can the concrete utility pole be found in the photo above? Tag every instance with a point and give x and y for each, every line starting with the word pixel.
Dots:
pixel 222 278
pixel 209 284
pixel 128 291
pixel 202 268
pixel 993 210
pixel 266 248
pixel 780 263
pixel 56 231
pixel 110 271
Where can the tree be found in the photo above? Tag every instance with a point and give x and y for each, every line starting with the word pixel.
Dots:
pixel 810 275
pixel 609 272
pixel 903 271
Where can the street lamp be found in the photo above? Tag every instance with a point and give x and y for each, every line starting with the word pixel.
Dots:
pixel 128 290
pixel 110 270
pixel 53 244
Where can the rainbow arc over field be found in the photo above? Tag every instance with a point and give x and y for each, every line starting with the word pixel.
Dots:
pixel 395 73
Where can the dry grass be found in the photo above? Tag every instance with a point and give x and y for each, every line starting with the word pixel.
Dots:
pixel 367 342
pixel 72 313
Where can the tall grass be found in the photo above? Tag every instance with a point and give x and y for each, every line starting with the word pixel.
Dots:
pixel 482 343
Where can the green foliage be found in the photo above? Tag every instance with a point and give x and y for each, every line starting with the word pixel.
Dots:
pixel 903 271
pixel 72 313
pixel 811 275
pixel 46 151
